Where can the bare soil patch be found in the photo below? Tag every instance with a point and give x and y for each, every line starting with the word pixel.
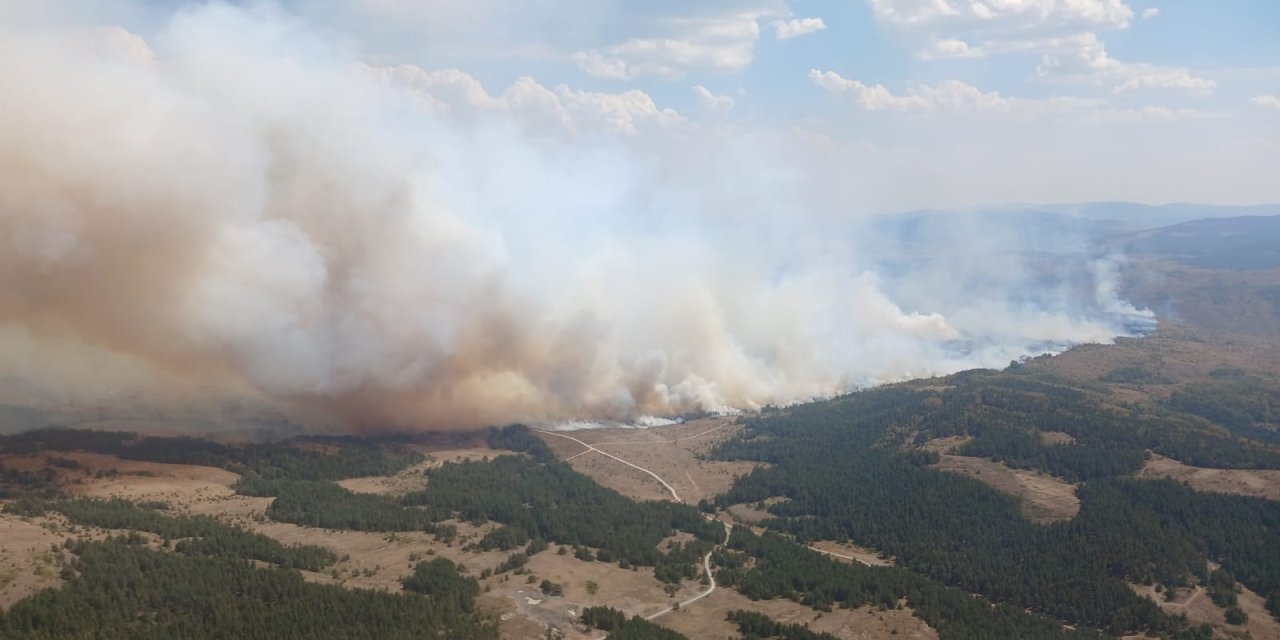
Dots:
pixel 1044 498
pixel 1245 482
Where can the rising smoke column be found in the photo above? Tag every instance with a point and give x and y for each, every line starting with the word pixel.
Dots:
pixel 243 202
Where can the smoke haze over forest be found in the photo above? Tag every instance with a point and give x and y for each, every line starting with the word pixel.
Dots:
pixel 241 199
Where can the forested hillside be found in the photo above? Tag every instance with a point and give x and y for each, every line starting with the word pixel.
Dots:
pixel 251 579
pixel 120 589
pixel 850 469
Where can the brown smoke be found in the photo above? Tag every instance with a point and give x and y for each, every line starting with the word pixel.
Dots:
pixel 241 205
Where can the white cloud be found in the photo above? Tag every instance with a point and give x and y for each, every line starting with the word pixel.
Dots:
pixel 710 43
pixel 561 109
pixel 1150 13
pixel 870 97
pixel 1087 61
pixel 1145 76
pixel 951 48
pixel 711 101
pixel 959 48
pixel 1266 102
pixel 1004 14
pixel 787 29
pixel 949 95
pixel 956 97
pixel 1065 31
pixel 971 28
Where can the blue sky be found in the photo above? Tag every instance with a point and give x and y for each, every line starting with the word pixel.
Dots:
pixel 1091 82
pixel 888 42
pixel 893 104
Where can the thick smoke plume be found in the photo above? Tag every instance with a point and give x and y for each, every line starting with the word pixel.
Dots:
pixel 240 203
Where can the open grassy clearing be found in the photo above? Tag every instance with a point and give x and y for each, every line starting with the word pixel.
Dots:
pixel 1043 498
pixel 707 619
pixel 1195 603
pixel 25 558
pixel 1245 482
pixel 412 478
pixel 635 592
pixel 864 555
pixel 1180 354
pixel 672 452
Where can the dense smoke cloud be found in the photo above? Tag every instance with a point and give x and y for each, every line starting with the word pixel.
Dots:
pixel 243 203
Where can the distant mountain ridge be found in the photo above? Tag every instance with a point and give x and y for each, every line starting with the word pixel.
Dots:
pixel 1239 243
pixel 1210 236
pixel 1139 216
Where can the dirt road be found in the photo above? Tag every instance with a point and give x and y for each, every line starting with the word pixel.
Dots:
pixel 606 454
pixel 706 566
pixel 706 560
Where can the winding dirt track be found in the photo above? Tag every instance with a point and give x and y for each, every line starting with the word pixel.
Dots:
pixel 606 454
pixel 706 565
pixel 706 560
pixel 728 527
pixel 672 490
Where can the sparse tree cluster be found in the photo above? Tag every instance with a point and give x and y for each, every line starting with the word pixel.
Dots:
pixel 196 535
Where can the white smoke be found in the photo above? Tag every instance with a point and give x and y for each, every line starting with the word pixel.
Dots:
pixel 245 202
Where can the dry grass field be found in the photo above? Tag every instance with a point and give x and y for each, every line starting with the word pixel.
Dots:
pixel 1044 498
pixel 706 619
pixel 411 478
pixel 671 452
pixel 1198 608
pixel 26 557
pixel 1179 353
pixel 1245 482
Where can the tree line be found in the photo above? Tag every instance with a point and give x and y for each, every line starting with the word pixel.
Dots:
pixel 195 535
